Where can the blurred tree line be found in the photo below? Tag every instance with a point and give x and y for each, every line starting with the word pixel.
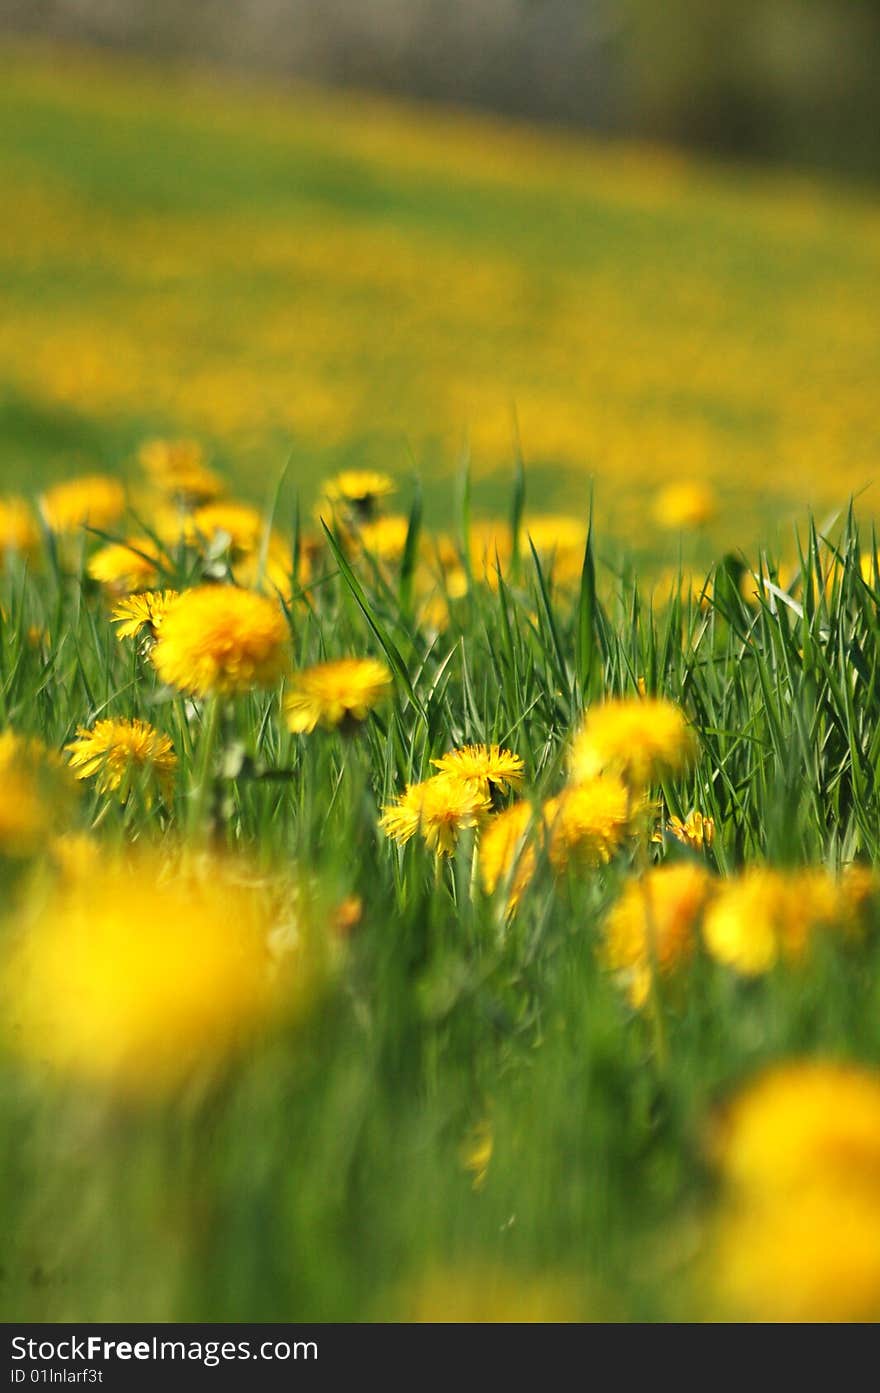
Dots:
pixel 787 80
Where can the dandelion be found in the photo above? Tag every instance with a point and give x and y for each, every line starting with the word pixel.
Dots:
pixel 642 739
pixel 35 793
pixel 684 505
pixel 177 468
pixel 588 823
pixel 763 916
pixel 219 640
pixel 798 1236
pixel 694 831
pixel 508 851
pixel 18 528
pixel 341 693
pixel 484 765
pixel 653 926
pixel 122 754
pixel 135 978
pixel 357 492
pixel 239 525
pixel 92 501
pixel 126 566
pixel 440 808
pixel 385 538
pixel 144 611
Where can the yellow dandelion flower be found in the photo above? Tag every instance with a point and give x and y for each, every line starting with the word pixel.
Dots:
pixel 440 808
pixel 695 831
pixel 122 754
pixel 144 611
pixel 642 739
pixel 508 851
pixel 484 765
pixel 244 526
pixel 763 916
pixel 360 489
pixel 653 926
pixel 18 527
pixel 385 538
pixel 36 791
pixel 92 501
pixel 177 468
pixel 684 505
pixel 340 693
pixel 272 573
pixel 588 823
pixel 217 639
pixel 126 566
pixel 136 977
pixel 813 1256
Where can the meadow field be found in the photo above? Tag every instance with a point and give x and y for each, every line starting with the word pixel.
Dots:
pixel 439 717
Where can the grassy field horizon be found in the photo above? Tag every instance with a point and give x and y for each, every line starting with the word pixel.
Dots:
pixel 344 280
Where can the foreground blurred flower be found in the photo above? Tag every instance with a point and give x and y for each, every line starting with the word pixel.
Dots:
pixel 483 765
pixel 18 527
pixel 798 1234
pixel 144 611
pixel 92 501
pixel 653 926
pixel 588 823
pixel 219 640
pixel 136 976
pixel 763 916
pixel 122 755
pixel 440 808
pixel 684 505
pixel 644 739
pixel 341 693
pixel 123 566
pixel 508 851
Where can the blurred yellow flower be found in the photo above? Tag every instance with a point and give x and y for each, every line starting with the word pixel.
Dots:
pixel 589 822
pixel 644 739
pixel 18 527
pixel 144 611
pixel 385 538
pixel 653 926
pixel 684 505
pixel 36 791
pixel 763 916
pixel 340 693
pixel 121 755
pixel 508 850
pixel 242 525
pixel 136 976
pixel 440 808
pixel 358 490
pixel 483 765
pixel 219 640
pixel 177 468
pixel 126 566
pixel 91 501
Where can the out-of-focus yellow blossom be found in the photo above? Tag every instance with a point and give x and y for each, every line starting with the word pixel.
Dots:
pixel 483 765
pixel 126 566
pixel 178 469
pixel 121 755
pixel 93 500
pixel 560 541
pixel 508 851
pixel 18 527
pixel 764 916
pixel 476 1152
pixel 695 831
pixel 440 808
pixel 490 1296
pixel 144 611
pixel 491 548
pixel 35 793
pixel 272 572
pixel 653 926
pixel 357 492
pixel 243 525
pixel 136 976
pixel 340 693
pixel 798 1234
pixel 684 505
pixel 385 538
pixel 589 822
pixel 644 739
pixel 219 640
